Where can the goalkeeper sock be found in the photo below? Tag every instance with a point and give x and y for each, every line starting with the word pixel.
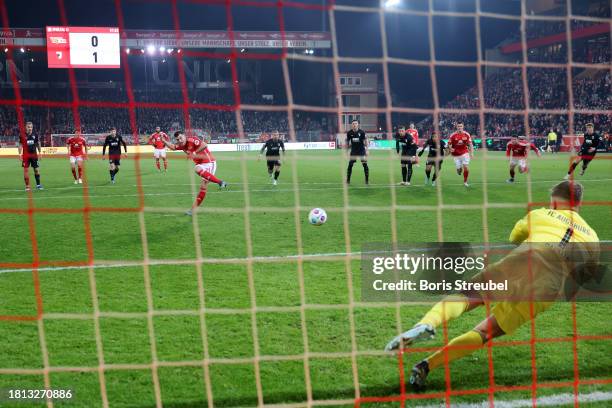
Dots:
pixel 445 310
pixel 458 347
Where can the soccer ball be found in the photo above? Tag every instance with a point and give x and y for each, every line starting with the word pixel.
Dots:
pixel 317 216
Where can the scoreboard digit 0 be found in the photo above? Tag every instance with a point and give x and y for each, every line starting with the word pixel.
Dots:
pixel 83 47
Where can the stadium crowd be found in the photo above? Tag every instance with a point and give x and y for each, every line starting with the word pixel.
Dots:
pixel 547 90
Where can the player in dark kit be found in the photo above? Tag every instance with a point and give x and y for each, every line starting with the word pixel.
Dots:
pixel 406 147
pixel 114 143
pixel 357 143
pixel 29 148
pixel 437 149
pixel 273 147
pixel 588 150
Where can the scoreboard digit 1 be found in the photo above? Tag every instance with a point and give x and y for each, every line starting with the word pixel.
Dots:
pixel 83 47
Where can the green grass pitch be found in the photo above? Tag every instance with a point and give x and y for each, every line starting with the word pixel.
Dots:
pixel 256 219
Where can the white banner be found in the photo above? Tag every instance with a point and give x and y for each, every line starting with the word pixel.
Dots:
pixel 220 147
pixel 250 147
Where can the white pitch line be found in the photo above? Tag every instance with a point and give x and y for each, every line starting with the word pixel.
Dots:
pixel 556 400
pixel 231 260
pixel 179 262
pixel 268 190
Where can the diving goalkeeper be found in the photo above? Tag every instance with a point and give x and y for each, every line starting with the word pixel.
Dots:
pixel 553 245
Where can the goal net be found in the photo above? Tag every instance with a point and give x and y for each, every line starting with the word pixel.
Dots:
pixel 109 292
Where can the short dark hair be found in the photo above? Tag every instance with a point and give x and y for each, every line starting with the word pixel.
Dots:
pixel 113 128
pixel 355 120
pixel 177 133
pixel 459 123
pixel 29 123
pixel 589 125
pixel 568 190
pixel 401 127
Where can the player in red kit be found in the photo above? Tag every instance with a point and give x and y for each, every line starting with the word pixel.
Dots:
pixel 462 150
pixel 412 131
pixel 205 163
pixel 516 151
pixel 77 149
pixel 157 141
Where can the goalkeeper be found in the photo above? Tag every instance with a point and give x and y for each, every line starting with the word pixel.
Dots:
pixel 554 243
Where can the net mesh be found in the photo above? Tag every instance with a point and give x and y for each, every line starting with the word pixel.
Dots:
pixel 132 105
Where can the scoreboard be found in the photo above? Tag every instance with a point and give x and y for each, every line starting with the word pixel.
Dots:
pixel 83 47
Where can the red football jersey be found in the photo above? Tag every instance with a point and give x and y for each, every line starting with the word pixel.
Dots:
pixel 520 149
pixel 460 142
pixel 415 135
pixel 191 145
pixel 157 140
pixel 77 145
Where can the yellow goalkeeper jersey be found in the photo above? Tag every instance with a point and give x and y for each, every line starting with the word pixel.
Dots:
pixel 548 225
